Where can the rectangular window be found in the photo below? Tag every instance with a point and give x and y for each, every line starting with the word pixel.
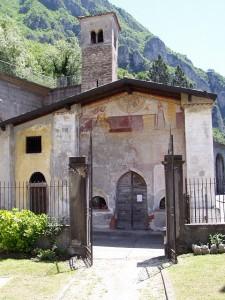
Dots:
pixel 33 144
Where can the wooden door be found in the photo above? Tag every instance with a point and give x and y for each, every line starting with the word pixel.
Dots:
pixel 131 203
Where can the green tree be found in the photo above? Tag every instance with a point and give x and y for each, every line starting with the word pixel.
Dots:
pixel 13 50
pixel 159 71
pixel 142 75
pixel 180 79
pixel 64 59
pixel 122 73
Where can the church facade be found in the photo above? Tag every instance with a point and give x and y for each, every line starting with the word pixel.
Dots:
pixel 130 122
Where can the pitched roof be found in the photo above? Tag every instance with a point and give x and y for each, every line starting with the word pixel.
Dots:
pixel 102 14
pixel 119 86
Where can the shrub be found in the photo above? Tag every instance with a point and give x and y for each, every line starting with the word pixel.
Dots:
pixel 46 255
pixel 216 239
pixel 52 230
pixel 19 230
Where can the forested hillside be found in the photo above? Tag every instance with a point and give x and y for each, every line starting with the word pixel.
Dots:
pixel 43 35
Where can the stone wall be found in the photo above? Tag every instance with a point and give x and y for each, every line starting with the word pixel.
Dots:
pixel 99 60
pixel 199 233
pixel 96 66
pixel 62 93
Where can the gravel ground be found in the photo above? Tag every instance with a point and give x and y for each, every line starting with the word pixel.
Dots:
pixel 126 266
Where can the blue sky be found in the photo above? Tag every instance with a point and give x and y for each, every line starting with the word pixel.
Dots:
pixel 192 27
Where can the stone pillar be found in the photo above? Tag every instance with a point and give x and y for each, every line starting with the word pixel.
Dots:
pixel 175 214
pixel 198 136
pixel 78 205
pixel 7 165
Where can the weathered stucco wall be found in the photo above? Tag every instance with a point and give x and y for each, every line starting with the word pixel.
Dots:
pixel 65 141
pixel 62 93
pixel 15 100
pixel 7 155
pixel 131 132
pixel 26 164
pixel 199 139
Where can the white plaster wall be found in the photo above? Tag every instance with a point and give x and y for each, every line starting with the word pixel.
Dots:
pixel 199 141
pixel 65 142
pixel 159 185
pixel 6 155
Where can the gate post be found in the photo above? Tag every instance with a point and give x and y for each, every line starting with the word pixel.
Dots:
pixel 173 165
pixel 78 205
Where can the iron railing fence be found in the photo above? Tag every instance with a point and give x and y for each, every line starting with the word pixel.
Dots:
pixel 204 204
pixel 38 78
pixel 50 198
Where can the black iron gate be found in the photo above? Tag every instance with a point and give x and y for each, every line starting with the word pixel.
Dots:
pixel 80 207
pixel 89 245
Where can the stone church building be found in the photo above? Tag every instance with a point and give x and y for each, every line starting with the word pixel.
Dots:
pixel 130 121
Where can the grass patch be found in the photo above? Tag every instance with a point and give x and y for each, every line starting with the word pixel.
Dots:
pixel 199 277
pixel 32 280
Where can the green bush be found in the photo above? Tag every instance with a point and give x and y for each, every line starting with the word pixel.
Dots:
pixel 19 230
pixel 46 255
pixel 216 239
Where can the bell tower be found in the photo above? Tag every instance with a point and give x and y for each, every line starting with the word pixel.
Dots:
pixel 99 44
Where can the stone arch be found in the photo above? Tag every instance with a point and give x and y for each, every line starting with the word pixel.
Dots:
pixel 220 174
pixel 93 37
pixel 38 193
pixel 162 203
pixel 131 202
pixel 100 36
pixel 99 203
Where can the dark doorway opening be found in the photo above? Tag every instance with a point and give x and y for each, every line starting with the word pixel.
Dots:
pixel 131 205
pixel 38 193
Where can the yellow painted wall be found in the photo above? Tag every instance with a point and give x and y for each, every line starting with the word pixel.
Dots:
pixel 26 164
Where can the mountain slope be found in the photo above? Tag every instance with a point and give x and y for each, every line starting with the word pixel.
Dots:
pixel 47 21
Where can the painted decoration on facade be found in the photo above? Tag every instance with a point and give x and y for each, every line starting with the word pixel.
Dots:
pixel 125 123
pixel 130 104
pixel 126 113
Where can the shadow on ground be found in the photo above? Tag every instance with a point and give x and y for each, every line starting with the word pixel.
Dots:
pixel 128 239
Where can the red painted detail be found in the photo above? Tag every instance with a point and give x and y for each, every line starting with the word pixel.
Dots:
pixel 151 218
pixel 179 120
pixel 86 124
pixel 125 123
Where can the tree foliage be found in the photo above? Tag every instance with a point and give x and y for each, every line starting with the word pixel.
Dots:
pixel 180 79
pixel 21 57
pixel 159 71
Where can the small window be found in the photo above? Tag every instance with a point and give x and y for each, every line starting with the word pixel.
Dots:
pixel 93 37
pixel 100 36
pixel 162 204
pixel 98 203
pixel 33 144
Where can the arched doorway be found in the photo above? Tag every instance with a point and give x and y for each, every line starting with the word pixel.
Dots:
pixel 220 174
pixel 131 204
pixel 38 193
